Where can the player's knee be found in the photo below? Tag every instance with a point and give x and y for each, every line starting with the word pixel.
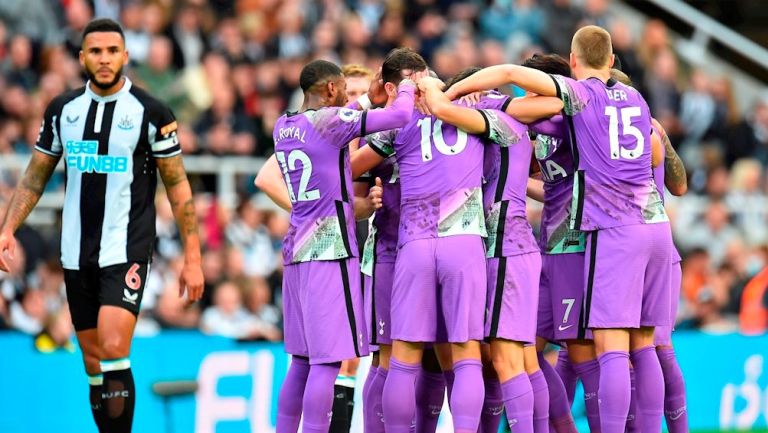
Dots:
pixel 508 363
pixel 114 347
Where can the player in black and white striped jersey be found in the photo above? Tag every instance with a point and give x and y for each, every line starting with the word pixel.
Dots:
pixel 113 138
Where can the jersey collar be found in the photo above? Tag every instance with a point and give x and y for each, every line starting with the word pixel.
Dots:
pixel 113 97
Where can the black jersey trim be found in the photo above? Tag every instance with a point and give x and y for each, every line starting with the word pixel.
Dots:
pixel 498 297
pixel 350 306
pixel 363 119
pixel 343 227
pixel 378 151
pixel 503 174
pixel 506 103
pixel 343 175
pixel 579 200
pixel 500 229
pixel 590 278
pixel 487 132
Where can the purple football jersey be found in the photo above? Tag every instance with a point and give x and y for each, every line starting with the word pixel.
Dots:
pixel 382 239
pixel 441 170
pixel 505 171
pixel 553 153
pixel 611 130
pixel 312 149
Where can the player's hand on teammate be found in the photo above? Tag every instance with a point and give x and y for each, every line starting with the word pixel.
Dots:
pixel 472 99
pixel 375 195
pixel 7 250
pixel 191 281
pixel 376 92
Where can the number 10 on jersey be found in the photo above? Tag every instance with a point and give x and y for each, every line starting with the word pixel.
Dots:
pixel 434 132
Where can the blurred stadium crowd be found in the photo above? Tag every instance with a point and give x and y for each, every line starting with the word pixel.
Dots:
pixel 229 68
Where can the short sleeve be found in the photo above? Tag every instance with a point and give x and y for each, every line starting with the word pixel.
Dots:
pixel 162 132
pixel 500 127
pixel 573 94
pixel 48 140
pixel 339 125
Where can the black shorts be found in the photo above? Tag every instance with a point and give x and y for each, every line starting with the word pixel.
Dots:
pixel 117 285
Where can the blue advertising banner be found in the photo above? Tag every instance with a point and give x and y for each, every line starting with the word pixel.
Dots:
pixel 238 385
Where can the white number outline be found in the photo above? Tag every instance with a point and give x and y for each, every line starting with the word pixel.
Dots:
pixel 627 113
pixel 306 173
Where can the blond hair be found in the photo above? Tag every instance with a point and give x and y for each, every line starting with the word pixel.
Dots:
pixel 592 46
pixel 355 70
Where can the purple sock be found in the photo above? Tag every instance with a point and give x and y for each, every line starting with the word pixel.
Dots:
pixel 370 419
pixel 430 393
pixel 449 379
pixel 614 391
pixel 650 390
pixel 318 397
pixel 567 375
pixel 399 397
pixel 291 395
pixel 674 392
pixel 589 373
pixel 493 406
pixel 518 400
pixel 560 416
pixel 632 425
pixel 540 402
pixel 467 400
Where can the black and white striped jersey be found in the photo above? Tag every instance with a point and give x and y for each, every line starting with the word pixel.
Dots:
pixel 109 145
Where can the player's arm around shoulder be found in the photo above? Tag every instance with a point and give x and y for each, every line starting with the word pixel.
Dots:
pixel 28 191
pixel 675 176
pixel 179 192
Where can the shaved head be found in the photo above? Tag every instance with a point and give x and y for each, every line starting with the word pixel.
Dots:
pixel 592 47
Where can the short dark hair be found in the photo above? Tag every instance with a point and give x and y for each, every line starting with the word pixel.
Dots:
pixel 103 25
pixel 460 76
pixel 549 63
pixel 398 60
pixel 317 71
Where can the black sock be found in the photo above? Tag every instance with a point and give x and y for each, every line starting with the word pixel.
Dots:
pixel 95 384
pixel 118 395
pixel 340 421
pixel 350 403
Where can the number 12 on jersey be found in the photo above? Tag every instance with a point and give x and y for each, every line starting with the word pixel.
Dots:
pixel 434 132
pixel 306 173
pixel 627 113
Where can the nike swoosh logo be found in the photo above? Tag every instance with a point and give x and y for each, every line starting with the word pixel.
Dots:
pixel 563 328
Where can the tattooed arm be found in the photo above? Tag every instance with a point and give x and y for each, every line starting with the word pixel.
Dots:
pixel 675 177
pixel 28 192
pixel 180 195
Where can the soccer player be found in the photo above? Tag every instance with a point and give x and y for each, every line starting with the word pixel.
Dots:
pixel 513 257
pixel 114 138
pixel 616 203
pixel 671 174
pixel 321 286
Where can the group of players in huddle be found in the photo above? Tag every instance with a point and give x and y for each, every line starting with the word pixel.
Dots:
pixel 451 262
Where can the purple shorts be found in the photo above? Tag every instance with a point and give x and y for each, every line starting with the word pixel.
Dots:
pixel 378 295
pixel 627 273
pixel 323 310
pixel 662 335
pixel 513 297
pixel 561 307
pixel 439 290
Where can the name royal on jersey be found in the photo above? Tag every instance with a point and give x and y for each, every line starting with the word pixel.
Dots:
pixel 83 156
